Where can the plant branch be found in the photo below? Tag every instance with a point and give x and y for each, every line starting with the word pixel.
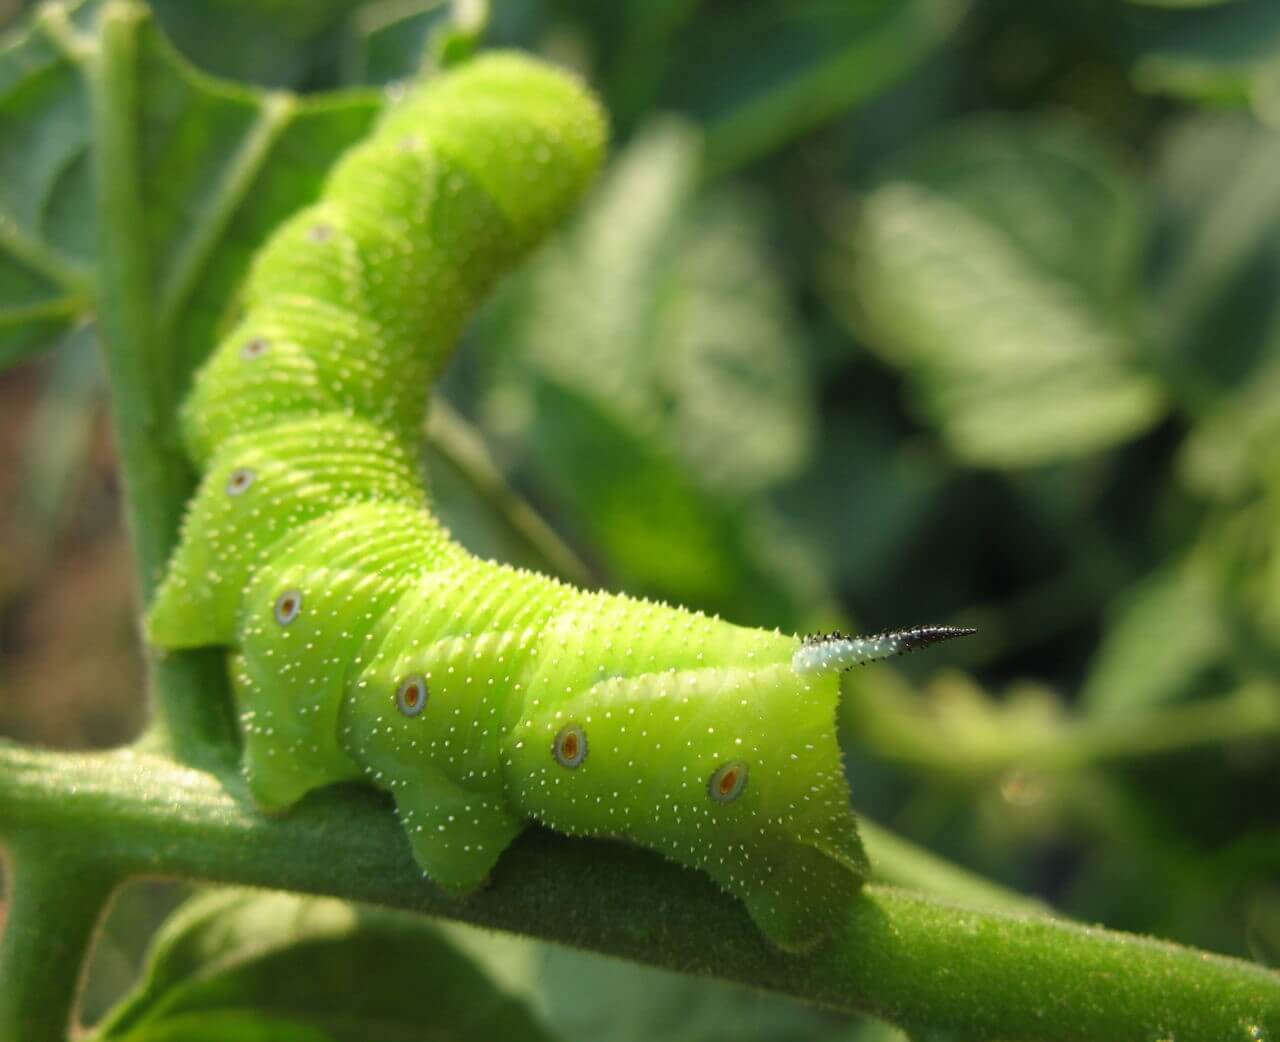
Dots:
pixel 157 479
pixel 904 729
pixel 55 900
pixel 899 862
pixel 461 444
pixel 211 221
pixel 912 959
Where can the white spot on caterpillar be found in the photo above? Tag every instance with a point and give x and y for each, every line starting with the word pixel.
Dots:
pixel 728 782
pixel 239 482
pixel 319 233
pixel 288 606
pixel 570 747
pixel 411 696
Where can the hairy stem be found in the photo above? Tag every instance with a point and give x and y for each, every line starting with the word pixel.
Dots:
pixel 907 957
pixel 157 479
pixel 459 443
pixel 55 900
pixel 899 862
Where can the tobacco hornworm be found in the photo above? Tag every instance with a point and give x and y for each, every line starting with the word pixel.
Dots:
pixel 365 643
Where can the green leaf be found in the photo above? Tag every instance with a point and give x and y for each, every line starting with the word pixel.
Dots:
pixel 280 44
pixel 219 166
pixel 995 265
pixel 225 1026
pixel 1222 54
pixel 758 76
pixel 314 969
pixel 1167 632
pixel 863 498
pixel 388 39
pixel 1219 209
pixel 1235 447
pixel 216 167
pixel 648 366
pixel 46 222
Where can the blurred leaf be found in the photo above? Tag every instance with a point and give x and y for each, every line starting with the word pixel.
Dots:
pixel 1263 928
pixel 1157 647
pixel 314 969
pixel 218 166
pixel 590 997
pixel 737 387
pixel 862 498
pixel 273 43
pixel 648 367
pixel 1182 3
pixel 757 76
pixel 1215 299
pixel 1219 207
pixel 1228 53
pixel 46 217
pixel 1236 446
pixel 389 39
pixel 996 264
pixel 225 1026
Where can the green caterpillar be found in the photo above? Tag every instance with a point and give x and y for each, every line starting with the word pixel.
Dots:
pixel 365 643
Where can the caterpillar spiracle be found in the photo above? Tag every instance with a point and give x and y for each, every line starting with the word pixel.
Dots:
pixel 364 643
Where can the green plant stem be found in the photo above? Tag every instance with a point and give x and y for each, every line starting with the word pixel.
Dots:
pixel 55 901
pixel 904 730
pixel 157 479
pixel 912 959
pixel 884 51
pixel 899 862
pixel 461 444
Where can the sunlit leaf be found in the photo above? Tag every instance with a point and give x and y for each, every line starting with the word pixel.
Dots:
pixel 995 265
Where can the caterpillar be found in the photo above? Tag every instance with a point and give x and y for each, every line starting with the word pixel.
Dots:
pixel 365 643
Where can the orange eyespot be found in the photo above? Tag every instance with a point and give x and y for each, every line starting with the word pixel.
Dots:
pixel 255 348
pixel 411 695
pixel 570 747
pixel 728 781
pixel 288 606
pixel 240 480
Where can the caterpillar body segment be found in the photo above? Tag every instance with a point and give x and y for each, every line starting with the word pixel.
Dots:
pixel 263 488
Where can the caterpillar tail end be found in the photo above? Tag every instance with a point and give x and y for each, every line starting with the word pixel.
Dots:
pixel 834 652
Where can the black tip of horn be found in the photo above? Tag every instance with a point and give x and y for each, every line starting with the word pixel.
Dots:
pixel 923 636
